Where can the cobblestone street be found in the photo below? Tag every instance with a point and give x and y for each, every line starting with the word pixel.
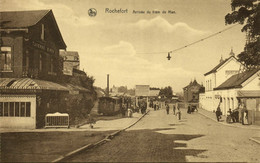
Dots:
pixel 160 137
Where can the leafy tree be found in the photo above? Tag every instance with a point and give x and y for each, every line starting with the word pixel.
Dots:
pixel 247 12
pixel 131 92
pixel 122 89
pixel 167 92
pixel 154 88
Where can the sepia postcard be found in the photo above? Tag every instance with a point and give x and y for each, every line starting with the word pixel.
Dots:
pixel 129 81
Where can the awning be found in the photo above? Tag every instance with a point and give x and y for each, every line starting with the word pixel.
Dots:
pixel 35 85
pixel 29 84
pixel 249 94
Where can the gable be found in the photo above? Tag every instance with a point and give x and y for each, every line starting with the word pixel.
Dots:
pixel 253 83
pixel 21 19
pixel 221 65
pixel 31 20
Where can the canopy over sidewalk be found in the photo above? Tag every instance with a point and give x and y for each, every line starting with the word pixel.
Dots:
pixel 35 85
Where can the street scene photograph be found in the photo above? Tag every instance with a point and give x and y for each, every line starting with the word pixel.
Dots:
pixel 130 81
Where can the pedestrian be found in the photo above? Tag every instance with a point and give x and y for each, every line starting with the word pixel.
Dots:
pixel 173 109
pixel 189 109
pixel 123 110
pixel 129 112
pixel 167 108
pixel 218 113
pixel 178 113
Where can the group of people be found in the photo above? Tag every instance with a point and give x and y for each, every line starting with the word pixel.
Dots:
pixel 237 115
pixel 127 110
pixel 155 105
pixel 175 112
pixel 191 109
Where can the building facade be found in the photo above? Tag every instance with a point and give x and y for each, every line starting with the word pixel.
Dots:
pixel 241 88
pixel 70 61
pixel 215 77
pixel 30 68
pixel 191 92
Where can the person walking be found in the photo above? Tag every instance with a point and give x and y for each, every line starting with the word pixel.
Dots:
pixel 173 109
pixel 218 113
pixel 178 113
pixel 129 112
pixel 123 110
pixel 189 109
pixel 167 108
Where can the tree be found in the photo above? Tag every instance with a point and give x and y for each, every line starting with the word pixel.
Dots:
pixel 247 12
pixel 167 92
pixel 122 89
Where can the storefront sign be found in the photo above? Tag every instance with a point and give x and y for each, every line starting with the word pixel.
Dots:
pixel 43 47
pixel 142 90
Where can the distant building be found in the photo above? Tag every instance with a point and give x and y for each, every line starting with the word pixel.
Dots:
pixel 114 90
pixel 191 92
pixel 70 61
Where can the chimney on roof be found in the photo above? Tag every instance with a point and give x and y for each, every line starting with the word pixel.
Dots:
pixel 221 59
pixel 107 85
pixel 232 53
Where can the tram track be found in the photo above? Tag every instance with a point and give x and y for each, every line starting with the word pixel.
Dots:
pixel 93 145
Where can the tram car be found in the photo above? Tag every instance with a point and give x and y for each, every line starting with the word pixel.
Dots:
pixel 109 105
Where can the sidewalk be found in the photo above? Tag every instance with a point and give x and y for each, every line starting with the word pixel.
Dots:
pixel 212 116
pixel 101 125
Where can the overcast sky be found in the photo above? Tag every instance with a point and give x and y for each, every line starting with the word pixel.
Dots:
pixel 123 45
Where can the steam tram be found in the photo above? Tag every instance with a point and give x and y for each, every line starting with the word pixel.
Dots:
pixel 109 105
pixel 113 105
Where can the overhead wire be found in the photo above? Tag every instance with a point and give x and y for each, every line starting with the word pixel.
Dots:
pixel 195 42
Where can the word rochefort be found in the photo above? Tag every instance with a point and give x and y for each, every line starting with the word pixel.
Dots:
pixel 119 11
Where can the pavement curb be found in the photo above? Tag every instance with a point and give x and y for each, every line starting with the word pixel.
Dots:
pixel 89 146
pixel 253 139
pixel 251 128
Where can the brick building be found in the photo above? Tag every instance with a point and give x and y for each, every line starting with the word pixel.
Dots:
pixel 191 92
pixel 30 68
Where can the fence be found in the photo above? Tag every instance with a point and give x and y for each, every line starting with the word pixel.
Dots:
pixel 57 120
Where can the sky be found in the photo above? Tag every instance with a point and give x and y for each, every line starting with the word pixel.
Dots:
pixel 132 47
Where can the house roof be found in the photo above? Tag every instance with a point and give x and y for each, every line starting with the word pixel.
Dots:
pixel 218 66
pixel 194 83
pixel 21 19
pixel 237 80
pixel 26 19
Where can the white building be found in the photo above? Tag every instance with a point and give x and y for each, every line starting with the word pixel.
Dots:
pixel 243 87
pixel 215 77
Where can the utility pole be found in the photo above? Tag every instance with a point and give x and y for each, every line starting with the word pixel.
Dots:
pixel 107 85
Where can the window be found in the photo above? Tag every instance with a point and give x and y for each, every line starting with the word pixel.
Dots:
pixel 22 109
pixel 51 64
pixel 42 33
pixel 5 59
pixel 11 109
pixel 1 109
pixel 40 62
pixel 15 109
